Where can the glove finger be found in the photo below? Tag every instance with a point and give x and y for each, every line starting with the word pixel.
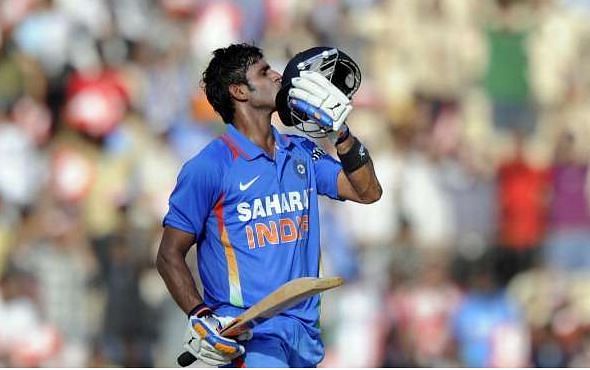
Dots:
pixel 347 111
pixel 203 330
pixel 334 108
pixel 214 342
pixel 247 335
pixel 212 356
pixel 213 351
pixel 305 96
pixel 225 360
pixel 337 124
pixel 315 114
pixel 210 352
pixel 223 345
pixel 310 86
pixel 319 80
pixel 215 363
pixel 225 320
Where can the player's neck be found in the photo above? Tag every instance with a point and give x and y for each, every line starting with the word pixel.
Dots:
pixel 259 130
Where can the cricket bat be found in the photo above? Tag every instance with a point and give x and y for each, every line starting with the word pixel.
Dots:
pixel 287 295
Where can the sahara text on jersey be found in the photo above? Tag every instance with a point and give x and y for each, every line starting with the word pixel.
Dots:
pixel 285 229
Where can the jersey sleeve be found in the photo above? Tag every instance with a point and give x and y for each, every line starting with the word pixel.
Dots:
pixel 197 188
pixel 326 169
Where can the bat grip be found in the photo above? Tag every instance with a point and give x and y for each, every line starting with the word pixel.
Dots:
pixel 186 359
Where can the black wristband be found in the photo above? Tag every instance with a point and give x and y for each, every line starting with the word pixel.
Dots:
pixel 200 310
pixel 355 158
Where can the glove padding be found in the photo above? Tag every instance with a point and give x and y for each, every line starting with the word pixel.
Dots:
pixel 203 340
pixel 317 97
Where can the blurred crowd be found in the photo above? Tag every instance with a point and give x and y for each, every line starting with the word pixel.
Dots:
pixel 475 112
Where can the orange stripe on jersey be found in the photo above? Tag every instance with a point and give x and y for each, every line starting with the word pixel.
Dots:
pixel 233 147
pixel 235 289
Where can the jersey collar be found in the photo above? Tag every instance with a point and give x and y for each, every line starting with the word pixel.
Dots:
pixel 248 149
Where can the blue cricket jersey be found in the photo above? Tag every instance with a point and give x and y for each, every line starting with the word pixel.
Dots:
pixel 255 218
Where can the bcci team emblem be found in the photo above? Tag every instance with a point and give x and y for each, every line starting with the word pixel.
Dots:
pixel 300 168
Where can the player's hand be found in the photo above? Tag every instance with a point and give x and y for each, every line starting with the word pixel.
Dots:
pixel 317 97
pixel 204 342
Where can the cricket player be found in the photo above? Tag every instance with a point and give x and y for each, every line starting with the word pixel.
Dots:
pixel 249 201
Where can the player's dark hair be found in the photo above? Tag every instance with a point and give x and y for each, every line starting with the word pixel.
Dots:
pixel 228 66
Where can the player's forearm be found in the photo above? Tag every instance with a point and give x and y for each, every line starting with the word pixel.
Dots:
pixel 358 169
pixel 177 276
pixel 365 183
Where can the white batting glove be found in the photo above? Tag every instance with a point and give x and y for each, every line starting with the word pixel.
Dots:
pixel 226 320
pixel 203 340
pixel 315 95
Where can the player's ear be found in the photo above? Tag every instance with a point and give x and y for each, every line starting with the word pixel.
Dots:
pixel 239 92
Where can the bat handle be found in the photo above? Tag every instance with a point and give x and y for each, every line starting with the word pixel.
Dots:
pixel 186 359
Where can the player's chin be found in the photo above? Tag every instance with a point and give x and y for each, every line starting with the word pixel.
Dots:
pixel 276 92
pixel 273 105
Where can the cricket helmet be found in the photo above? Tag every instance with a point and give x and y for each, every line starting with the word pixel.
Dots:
pixel 335 65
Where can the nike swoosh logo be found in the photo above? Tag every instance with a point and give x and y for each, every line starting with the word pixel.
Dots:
pixel 248 184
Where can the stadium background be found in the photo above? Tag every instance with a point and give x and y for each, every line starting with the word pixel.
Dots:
pixel 477 114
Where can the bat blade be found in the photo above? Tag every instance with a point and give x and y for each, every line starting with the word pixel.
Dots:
pixel 286 296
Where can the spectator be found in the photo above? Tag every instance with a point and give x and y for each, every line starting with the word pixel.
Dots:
pixel 128 328
pixel 507 79
pixel 566 247
pixel 522 195
pixel 488 326
pixel 421 309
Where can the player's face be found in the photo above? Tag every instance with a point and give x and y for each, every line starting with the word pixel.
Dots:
pixel 264 85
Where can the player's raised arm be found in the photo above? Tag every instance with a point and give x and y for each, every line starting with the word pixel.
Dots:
pixel 322 102
pixel 357 181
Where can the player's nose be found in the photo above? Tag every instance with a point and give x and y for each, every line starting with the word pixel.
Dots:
pixel 276 76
